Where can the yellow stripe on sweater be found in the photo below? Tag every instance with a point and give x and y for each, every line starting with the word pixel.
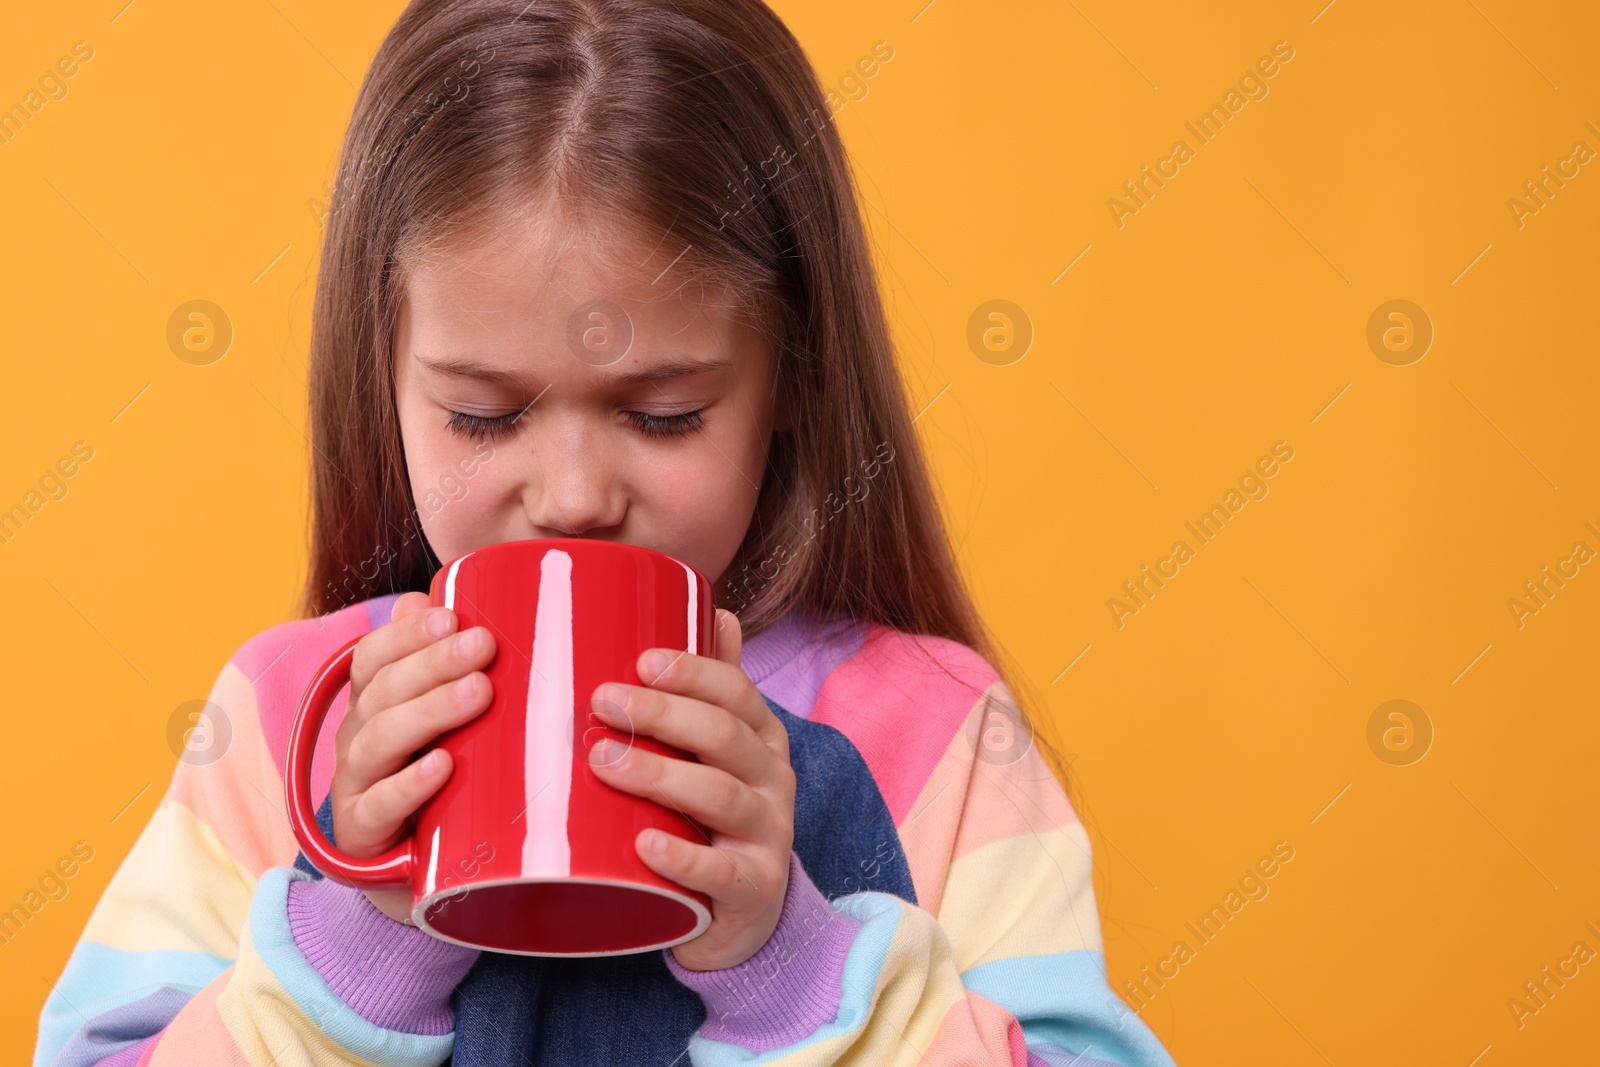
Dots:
pixel 179 888
pixel 267 1024
pixel 916 989
pixel 239 793
pixel 1029 895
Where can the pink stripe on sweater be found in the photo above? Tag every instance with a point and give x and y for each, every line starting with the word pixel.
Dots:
pixel 197 1033
pixel 933 683
pixel 973 1023
pixel 280 662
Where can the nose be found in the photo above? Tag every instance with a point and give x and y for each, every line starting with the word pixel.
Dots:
pixel 572 486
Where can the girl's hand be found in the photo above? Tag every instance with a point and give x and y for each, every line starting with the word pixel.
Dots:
pixel 742 788
pixel 411 680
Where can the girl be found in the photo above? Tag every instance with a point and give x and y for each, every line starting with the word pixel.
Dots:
pixel 594 268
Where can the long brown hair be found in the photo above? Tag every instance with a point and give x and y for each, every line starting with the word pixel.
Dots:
pixel 702 124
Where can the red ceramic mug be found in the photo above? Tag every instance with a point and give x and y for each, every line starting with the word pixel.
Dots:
pixel 524 849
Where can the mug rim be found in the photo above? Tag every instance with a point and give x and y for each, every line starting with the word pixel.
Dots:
pixel 587 545
pixel 701 913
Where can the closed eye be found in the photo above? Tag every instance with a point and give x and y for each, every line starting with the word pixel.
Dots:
pixel 491 427
pixel 667 425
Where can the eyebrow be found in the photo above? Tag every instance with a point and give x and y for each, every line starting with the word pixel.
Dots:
pixel 676 368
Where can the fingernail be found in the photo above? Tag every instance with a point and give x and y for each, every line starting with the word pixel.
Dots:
pixel 654 663
pixel 658 842
pixel 610 699
pixel 438 623
pixel 469 642
pixel 430 762
pixel 466 686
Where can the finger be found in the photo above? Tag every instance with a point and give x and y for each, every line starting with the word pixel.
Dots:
pixel 387 741
pixel 409 604
pixel 380 811
pixel 415 635
pixel 714 681
pixel 413 624
pixel 717 737
pixel 729 876
pixel 424 669
pixel 708 795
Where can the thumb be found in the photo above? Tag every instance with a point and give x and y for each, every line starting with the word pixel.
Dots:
pixel 729 637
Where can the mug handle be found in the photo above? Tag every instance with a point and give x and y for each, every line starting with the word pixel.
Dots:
pixel 392 869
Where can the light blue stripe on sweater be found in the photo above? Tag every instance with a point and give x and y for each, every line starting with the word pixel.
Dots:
pixel 1063 1001
pixel 99 979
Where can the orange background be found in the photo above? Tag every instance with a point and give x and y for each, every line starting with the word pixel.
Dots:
pixel 1229 313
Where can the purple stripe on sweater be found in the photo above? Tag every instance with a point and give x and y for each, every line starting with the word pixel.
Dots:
pixel 393 975
pixel 379 609
pixel 129 1056
pixel 789 660
pixel 1056 1056
pixel 788 989
pixel 104 1038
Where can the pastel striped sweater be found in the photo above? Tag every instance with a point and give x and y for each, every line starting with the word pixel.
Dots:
pixel 217 944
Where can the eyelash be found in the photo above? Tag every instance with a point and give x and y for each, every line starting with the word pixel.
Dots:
pixel 478 427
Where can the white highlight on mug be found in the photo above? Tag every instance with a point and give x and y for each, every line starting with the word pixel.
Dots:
pixel 449 602
pixel 694 610
pixel 433 865
pixel 450 582
pixel 547 762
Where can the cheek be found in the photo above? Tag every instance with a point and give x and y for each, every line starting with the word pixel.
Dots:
pixel 700 503
pixel 700 486
pixel 450 504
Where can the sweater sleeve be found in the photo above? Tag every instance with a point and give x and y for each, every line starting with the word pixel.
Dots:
pixel 209 947
pixel 1000 962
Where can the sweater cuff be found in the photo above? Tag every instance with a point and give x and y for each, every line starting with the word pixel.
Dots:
pixel 393 975
pixel 790 988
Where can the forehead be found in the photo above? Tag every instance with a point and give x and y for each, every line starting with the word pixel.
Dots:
pixel 532 291
pixel 557 251
pixel 545 264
